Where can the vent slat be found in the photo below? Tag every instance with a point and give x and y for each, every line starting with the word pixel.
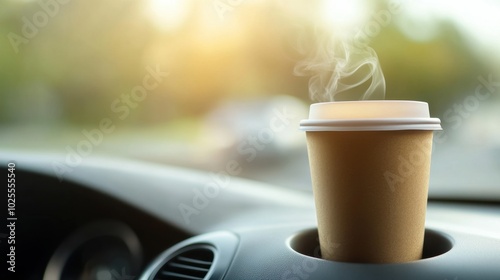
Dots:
pixel 191 260
pixel 190 267
pixel 180 276
pixel 190 264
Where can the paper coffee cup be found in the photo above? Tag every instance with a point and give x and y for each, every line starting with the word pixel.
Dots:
pixel 370 164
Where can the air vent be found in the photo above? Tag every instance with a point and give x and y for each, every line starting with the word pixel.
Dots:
pixel 204 257
pixel 192 263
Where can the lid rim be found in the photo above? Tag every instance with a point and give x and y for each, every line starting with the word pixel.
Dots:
pixel 389 124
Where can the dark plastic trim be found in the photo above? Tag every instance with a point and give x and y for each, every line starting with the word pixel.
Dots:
pixel 306 243
pixel 224 245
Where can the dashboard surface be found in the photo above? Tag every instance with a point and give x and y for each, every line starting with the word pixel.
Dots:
pixel 113 218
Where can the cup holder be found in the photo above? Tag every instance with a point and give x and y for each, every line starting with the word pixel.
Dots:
pixel 307 243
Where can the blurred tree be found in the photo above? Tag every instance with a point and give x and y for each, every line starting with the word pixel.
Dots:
pixel 86 54
pixel 90 53
pixel 438 71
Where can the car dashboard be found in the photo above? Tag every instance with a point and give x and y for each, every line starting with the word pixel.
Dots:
pixel 123 219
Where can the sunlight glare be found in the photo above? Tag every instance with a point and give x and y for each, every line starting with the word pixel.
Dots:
pixel 168 14
pixel 341 14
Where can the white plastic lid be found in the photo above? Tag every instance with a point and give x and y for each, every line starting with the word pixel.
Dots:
pixel 370 115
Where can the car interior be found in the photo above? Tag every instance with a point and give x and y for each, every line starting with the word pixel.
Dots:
pixel 169 139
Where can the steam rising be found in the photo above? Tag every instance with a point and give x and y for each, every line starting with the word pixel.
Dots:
pixel 341 70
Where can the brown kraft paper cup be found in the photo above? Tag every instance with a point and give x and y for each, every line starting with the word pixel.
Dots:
pixel 370 164
pixel 370 190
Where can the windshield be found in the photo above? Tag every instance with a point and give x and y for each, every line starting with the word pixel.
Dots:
pixel 212 85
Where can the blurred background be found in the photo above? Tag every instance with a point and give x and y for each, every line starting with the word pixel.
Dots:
pixel 203 83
